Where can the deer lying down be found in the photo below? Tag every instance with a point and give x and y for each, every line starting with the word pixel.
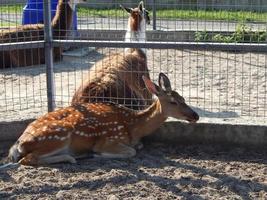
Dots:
pixel 109 130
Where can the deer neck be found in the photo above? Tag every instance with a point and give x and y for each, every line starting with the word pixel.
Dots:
pixel 136 31
pixel 147 121
pixel 62 20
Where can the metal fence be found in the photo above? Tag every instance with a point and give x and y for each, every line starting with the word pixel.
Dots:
pixel 216 59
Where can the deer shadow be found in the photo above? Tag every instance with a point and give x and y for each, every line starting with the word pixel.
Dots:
pixel 209 114
pixel 72 64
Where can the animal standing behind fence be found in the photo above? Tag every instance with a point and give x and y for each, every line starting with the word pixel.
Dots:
pixel 118 77
pixel 107 130
pixel 35 32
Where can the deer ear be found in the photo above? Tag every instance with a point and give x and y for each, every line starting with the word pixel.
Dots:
pixel 164 82
pixel 141 5
pixel 128 10
pixel 152 87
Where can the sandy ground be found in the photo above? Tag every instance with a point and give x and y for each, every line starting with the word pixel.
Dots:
pixel 157 172
pixel 222 87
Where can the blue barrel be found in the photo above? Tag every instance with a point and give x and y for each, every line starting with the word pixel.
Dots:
pixel 33 12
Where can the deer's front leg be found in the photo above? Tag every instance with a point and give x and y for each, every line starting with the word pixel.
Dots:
pixel 114 150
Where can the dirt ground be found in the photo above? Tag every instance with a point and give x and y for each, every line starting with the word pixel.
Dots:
pixel 221 86
pixel 159 171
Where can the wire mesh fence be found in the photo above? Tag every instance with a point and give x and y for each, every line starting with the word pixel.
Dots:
pixel 214 54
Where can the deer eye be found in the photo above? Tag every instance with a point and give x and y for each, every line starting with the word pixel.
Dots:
pixel 173 102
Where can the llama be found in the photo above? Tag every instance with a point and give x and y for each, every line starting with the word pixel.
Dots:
pixel 35 32
pixel 108 130
pixel 118 77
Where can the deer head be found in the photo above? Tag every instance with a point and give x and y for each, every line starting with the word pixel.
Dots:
pixel 139 13
pixel 73 3
pixel 172 104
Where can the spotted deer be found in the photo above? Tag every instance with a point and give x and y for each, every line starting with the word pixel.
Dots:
pixel 108 130
pixel 118 77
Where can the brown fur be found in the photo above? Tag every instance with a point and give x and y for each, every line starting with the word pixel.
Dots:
pixel 117 78
pixel 34 32
pixel 135 20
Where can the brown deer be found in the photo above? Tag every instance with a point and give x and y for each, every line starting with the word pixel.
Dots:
pixel 118 77
pixel 107 129
pixel 61 22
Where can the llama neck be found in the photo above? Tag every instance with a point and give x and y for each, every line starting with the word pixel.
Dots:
pixel 136 31
pixel 62 20
pixel 147 121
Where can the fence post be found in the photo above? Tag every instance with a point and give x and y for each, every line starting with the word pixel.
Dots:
pixel 154 15
pixel 48 39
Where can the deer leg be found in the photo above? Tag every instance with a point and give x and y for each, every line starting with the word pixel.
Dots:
pixel 29 159
pixel 139 146
pixel 57 159
pixel 116 150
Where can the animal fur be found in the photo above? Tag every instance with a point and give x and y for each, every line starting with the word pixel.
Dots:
pixel 118 77
pixel 35 32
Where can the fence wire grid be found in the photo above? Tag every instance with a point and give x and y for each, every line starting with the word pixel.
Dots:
pixel 214 54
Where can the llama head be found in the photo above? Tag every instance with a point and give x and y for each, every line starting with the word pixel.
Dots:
pixel 138 14
pixel 73 3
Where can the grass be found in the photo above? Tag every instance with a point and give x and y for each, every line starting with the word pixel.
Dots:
pixel 8 9
pixel 240 16
pixel 242 33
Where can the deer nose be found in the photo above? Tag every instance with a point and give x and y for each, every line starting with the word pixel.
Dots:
pixel 195 116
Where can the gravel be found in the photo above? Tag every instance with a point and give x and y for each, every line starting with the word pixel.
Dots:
pixel 159 171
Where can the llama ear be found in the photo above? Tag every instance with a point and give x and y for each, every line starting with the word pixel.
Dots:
pixel 128 10
pixel 141 5
pixel 152 87
pixel 164 82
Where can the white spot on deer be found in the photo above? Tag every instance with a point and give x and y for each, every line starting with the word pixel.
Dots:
pixel 77 132
pixel 104 132
pixel 115 122
pixel 56 137
pixel 50 137
pixel 120 127
pixel 122 138
pixel 82 134
pixel 44 128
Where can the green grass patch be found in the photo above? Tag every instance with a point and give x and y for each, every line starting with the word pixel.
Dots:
pixel 240 16
pixel 12 9
pixel 242 34
pixel 7 24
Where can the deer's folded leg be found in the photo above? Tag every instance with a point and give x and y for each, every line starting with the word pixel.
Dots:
pixel 114 150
